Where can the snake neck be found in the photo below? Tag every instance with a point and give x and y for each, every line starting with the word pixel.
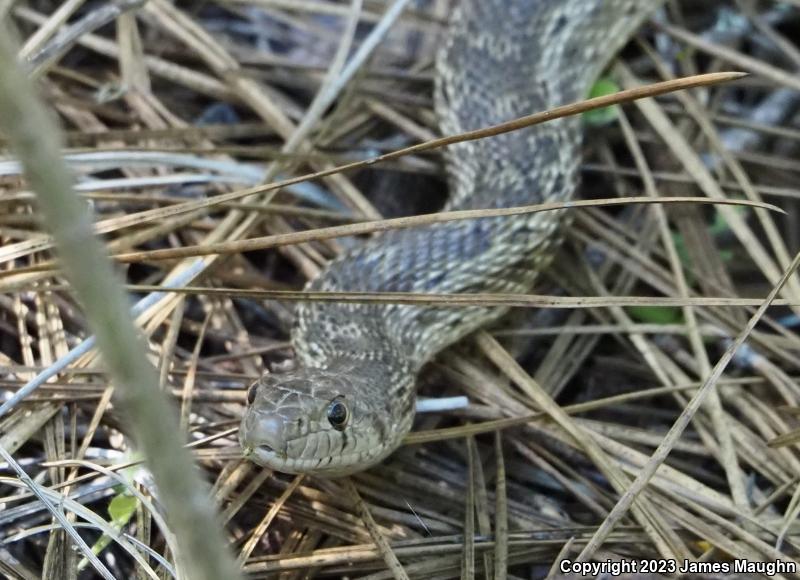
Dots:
pixel 502 59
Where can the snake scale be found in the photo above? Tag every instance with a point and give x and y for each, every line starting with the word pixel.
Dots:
pixel 350 399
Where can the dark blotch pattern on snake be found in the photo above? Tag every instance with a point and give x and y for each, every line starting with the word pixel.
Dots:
pixel 350 400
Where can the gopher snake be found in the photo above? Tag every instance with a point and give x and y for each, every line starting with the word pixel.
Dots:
pixel 350 400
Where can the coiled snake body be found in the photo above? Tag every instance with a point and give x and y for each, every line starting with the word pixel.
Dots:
pixel 350 400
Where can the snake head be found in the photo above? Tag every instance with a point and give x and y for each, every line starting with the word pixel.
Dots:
pixel 321 421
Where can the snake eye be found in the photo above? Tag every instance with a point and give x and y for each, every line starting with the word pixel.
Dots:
pixel 251 393
pixel 338 414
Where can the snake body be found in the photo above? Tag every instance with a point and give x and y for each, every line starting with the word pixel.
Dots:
pixel 350 400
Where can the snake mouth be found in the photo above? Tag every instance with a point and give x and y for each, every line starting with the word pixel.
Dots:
pixel 261 454
pixel 265 455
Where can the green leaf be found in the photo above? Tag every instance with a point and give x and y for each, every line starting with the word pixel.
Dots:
pixel 726 255
pixel 720 225
pixel 122 508
pixel 680 249
pixel 599 117
pixel 656 314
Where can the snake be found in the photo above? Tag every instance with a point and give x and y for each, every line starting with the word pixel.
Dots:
pixel 349 399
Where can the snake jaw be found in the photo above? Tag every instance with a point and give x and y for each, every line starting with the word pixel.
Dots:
pixel 263 455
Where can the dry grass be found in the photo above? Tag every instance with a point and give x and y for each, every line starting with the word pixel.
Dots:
pixel 224 139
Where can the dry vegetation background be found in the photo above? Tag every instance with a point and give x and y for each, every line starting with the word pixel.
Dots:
pixel 165 106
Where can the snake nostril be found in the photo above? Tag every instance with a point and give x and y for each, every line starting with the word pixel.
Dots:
pixel 266 448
